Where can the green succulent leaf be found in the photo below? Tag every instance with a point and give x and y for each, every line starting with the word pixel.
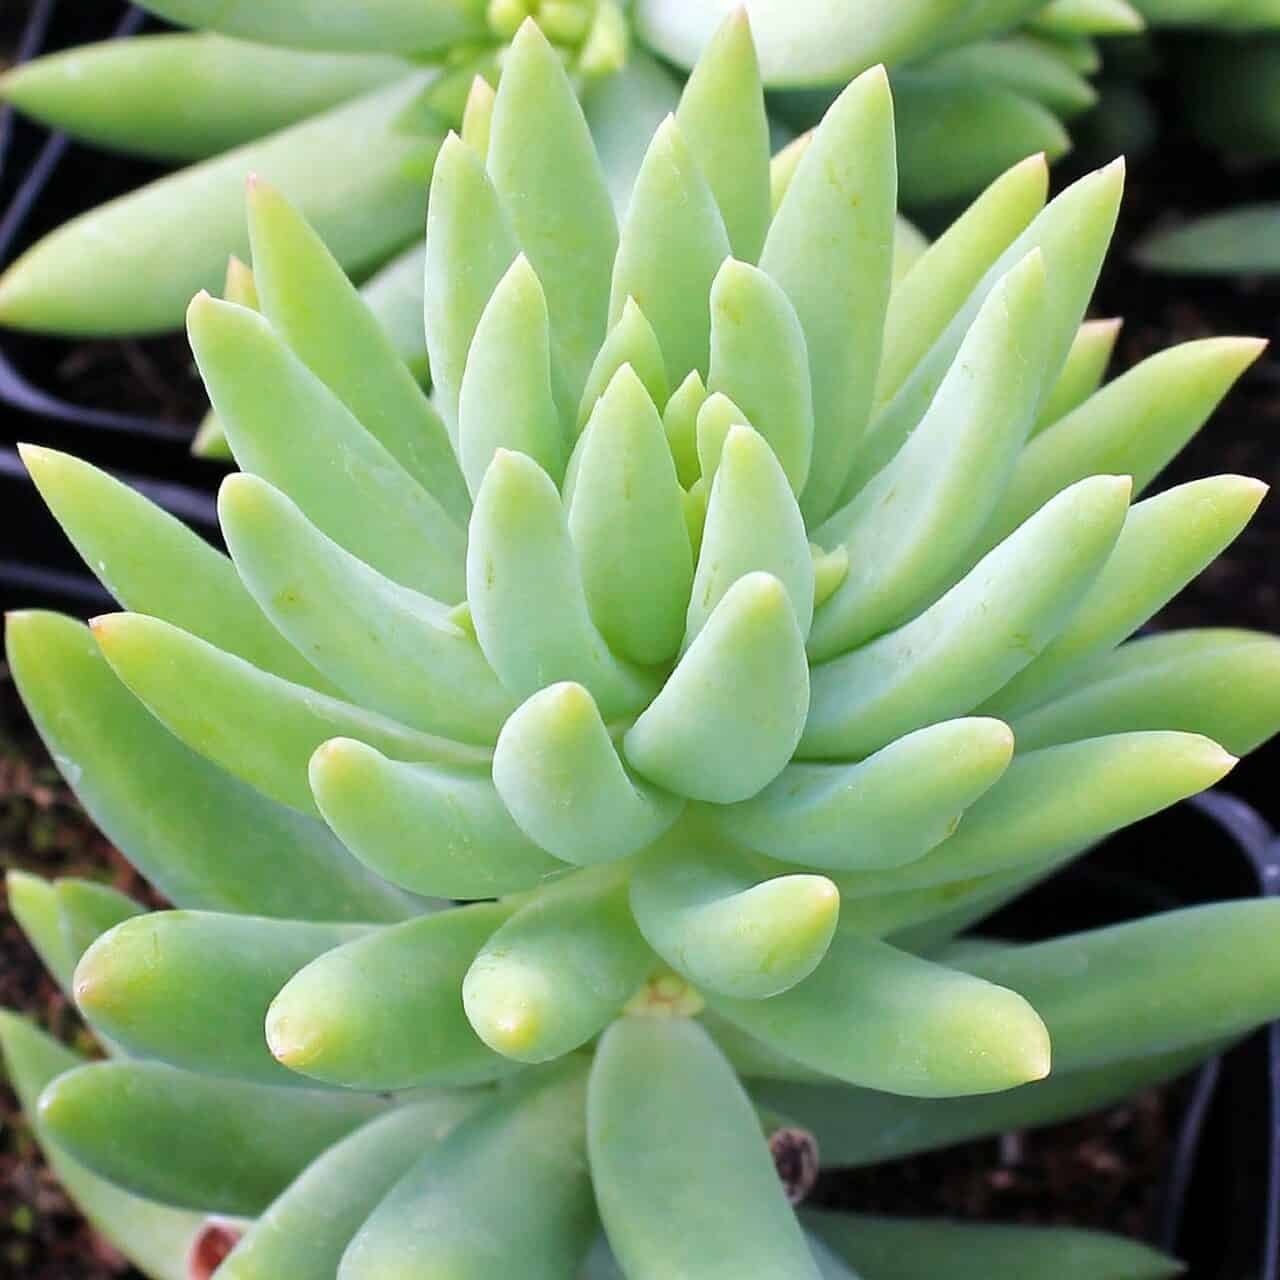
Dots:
pixel 1082 372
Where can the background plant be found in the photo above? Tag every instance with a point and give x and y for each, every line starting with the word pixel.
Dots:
pixel 676 633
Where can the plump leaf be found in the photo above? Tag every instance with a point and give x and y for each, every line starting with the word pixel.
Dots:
pixel 730 924
pixel 1082 372
pixel 683 1178
pixel 630 341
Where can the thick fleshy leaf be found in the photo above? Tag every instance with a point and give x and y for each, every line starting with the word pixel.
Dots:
pixel 1156 986
pixel 33 903
pixel 626 519
pixel 1222 683
pixel 552 976
pixel 1060 798
pixel 753 524
pixel 1082 372
pixel 1029 67
pixel 729 718
pixel 285 425
pixel 927 299
pixel 520 556
pixel 133 265
pixel 506 401
pixel 394 294
pixel 194 1141
pixel 673 242
pixel 759 360
pixel 680 421
pixel 683 1178
pixel 450 1216
pixel 886 811
pixel 437 831
pixel 1133 426
pixel 201 837
pixel 258 727
pixel 1072 232
pixel 878 1017
pixel 152 563
pixel 192 988
pixel 995 621
pixel 385 1011
pixel 314 307
pixel 1165 542
pixel 388 647
pixel 830 248
pixel 539 149
pixel 923 1248
pixel 910 525
pixel 87 909
pixel 729 923
pixel 231 91
pixel 560 776
pixel 724 86
pixel 304 1233
pixel 716 418
pixel 630 341
pixel 862 1126
pixel 392 26
pixel 153 1237
pixel 470 246
pixel 1224 243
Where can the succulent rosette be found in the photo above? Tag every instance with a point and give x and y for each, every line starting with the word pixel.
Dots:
pixel 577 779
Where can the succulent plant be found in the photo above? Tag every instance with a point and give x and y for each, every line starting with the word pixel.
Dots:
pixel 345 108
pixel 574 789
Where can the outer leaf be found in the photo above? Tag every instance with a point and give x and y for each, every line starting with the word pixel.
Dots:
pixel 1224 243
pixel 306 1230
pixel 561 778
pixel 862 1127
pixel 390 648
pixel 557 972
pixel 753 524
pixel 875 1016
pixel 201 837
pixel 1222 683
pixel 539 149
pixel 720 920
pixel 889 810
pixel 194 1141
pixel 830 248
pixel 133 265
pixel 155 1238
pixel 918 1248
pixel 729 718
pixel 192 988
pixel 1073 232
pixel 385 1012
pixel 256 726
pixel 448 1215
pixel 390 25
pixel 285 425
pixel 1082 372
pixel 226 92
pixel 626 519
pixel 506 399
pixel 33 903
pixel 520 556
pixel 86 910
pixel 432 830
pixel 1165 542
pixel 910 526
pixel 724 85
pixel 470 245
pixel 394 294
pixel 1166 983
pixel 1061 798
pixel 759 359
pixel 1133 426
pixel 991 624
pixel 935 289
pixel 673 242
pixel 683 1178
pixel 153 563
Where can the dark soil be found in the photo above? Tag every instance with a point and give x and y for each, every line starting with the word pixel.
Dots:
pixel 1105 1171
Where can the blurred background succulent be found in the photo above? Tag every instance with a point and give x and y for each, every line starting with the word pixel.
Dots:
pixel 576 788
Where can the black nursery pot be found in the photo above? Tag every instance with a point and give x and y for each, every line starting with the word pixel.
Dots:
pixel 45 179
